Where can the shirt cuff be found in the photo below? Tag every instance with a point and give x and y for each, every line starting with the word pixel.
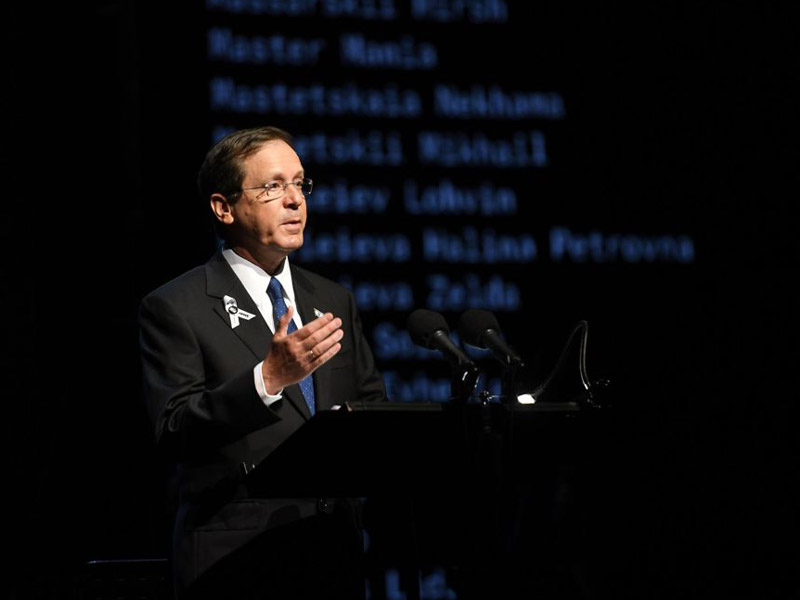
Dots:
pixel 261 387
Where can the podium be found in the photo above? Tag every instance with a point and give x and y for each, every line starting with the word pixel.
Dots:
pixel 448 476
pixel 476 483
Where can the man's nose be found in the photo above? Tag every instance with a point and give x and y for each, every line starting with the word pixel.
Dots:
pixel 293 195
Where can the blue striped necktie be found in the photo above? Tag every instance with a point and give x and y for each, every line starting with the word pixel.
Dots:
pixel 275 292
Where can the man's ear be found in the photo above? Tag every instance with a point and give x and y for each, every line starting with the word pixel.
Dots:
pixel 221 208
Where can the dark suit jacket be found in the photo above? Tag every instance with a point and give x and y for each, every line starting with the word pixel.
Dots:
pixel 208 417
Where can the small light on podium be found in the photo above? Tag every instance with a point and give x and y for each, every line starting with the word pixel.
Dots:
pixel 526 399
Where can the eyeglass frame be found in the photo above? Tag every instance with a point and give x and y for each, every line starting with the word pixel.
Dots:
pixel 285 184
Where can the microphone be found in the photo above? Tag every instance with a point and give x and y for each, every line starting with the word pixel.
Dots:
pixel 429 330
pixel 479 328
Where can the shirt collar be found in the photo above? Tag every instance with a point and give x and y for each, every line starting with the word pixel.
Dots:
pixel 256 280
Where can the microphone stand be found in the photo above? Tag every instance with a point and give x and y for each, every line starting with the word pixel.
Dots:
pixel 463 379
pixel 508 379
pixel 508 382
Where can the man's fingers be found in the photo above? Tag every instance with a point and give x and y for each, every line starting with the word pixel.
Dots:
pixel 320 348
pixel 321 359
pixel 312 327
pixel 315 332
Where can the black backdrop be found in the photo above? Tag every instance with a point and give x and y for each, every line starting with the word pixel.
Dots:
pixel 677 122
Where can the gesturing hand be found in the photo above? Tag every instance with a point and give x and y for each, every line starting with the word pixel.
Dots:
pixel 294 356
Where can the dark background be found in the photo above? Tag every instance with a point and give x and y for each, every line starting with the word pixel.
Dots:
pixel 679 120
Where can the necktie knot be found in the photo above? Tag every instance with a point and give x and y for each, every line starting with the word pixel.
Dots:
pixel 274 289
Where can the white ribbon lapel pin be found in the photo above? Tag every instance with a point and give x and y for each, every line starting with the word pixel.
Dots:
pixel 234 312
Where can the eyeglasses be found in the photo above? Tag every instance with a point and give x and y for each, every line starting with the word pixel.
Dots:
pixel 273 190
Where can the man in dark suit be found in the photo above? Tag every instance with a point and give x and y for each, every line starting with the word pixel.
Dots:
pixel 238 354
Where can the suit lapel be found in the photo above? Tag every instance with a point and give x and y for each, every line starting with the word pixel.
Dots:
pixel 221 282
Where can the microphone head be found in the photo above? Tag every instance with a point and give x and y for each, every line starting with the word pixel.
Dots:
pixel 473 323
pixel 422 324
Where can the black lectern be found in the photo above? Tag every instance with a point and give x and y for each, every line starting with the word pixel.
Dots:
pixel 448 472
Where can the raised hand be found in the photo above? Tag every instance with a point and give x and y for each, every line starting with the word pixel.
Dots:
pixel 294 356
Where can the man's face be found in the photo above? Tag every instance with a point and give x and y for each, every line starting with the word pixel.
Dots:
pixel 273 228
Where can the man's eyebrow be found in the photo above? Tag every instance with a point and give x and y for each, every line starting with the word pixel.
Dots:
pixel 299 175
